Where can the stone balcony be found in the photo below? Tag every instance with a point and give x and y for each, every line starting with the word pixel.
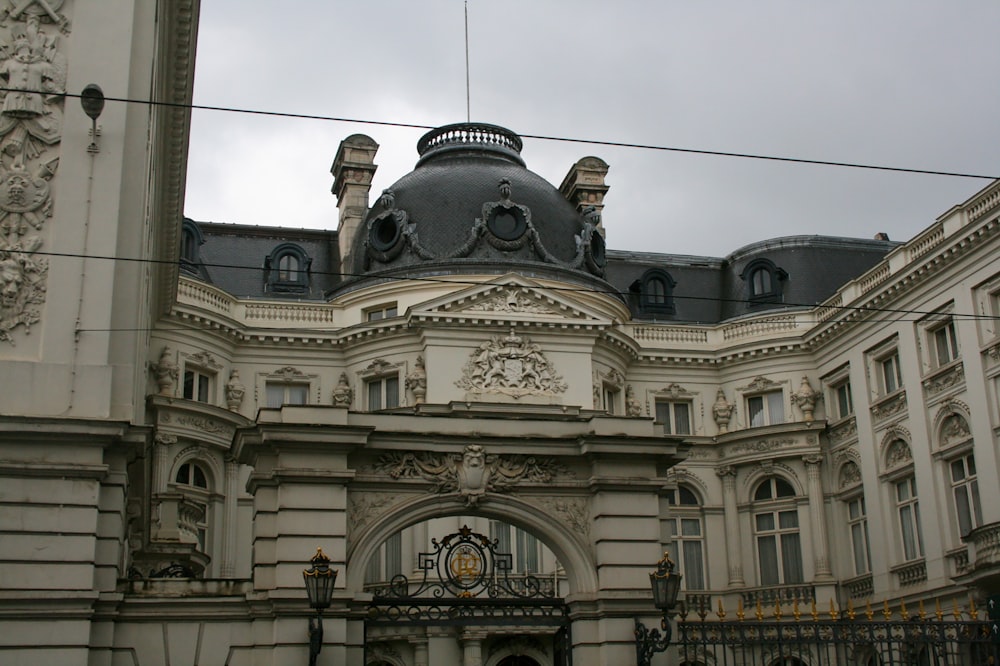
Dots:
pixel 983 568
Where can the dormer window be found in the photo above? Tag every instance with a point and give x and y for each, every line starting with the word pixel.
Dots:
pixel 656 292
pixel 764 281
pixel 191 242
pixel 286 269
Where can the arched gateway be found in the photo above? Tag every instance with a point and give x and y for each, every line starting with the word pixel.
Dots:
pixel 586 485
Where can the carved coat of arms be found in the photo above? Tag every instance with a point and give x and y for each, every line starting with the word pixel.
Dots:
pixel 512 365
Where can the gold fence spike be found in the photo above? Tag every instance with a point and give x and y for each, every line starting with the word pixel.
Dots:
pixel 937 609
pixel 740 613
pixel 815 613
pixel 920 611
pixel 721 613
pixel 902 611
pixel 833 610
pixel 795 610
pixel 850 609
pixel 973 613
pixel 760 611
pixel 885 610
pixel 955 610
pixel 869 613
pixel 777 609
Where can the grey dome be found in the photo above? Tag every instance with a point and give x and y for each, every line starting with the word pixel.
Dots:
pixel 471 204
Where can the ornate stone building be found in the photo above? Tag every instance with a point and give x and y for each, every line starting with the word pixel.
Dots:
pixel 804 418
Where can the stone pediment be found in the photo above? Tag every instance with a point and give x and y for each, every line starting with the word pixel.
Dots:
pixel 510 297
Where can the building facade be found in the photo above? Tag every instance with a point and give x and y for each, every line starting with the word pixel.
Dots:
pixel 190 409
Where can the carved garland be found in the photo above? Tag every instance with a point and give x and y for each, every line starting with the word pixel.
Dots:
pixel 34 75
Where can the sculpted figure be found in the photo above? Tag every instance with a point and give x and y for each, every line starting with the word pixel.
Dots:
pixel 473 474
pixel 806 398
pixel 342 393
pixel 234 391
pixel 722 411
pixel 416 381
pixel 632 406
pixel 166 371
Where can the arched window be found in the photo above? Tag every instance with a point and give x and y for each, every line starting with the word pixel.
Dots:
pixel 194 517
pixel 776 528
pixel 687 536
pixel 191 474
pixel 656 292
pixel 286 269
pixel 764 281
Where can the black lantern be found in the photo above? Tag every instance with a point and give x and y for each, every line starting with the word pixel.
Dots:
pixel 666 585
pixel 92 101
pixel 319 579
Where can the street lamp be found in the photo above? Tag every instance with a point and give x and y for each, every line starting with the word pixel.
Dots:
pixel 666 585
pixel 320 579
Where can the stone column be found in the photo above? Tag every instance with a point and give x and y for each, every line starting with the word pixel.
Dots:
pixel 821 550
pixel 472 648
pixel 419 651
pixel 161 467
pixel 229 522
pixel 734 547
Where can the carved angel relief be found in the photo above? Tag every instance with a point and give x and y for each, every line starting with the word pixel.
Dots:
pixel 471 474
pixel 511 365
pixel 32 80
pixel 513 299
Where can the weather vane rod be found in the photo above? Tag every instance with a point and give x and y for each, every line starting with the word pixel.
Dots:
pixel 468 111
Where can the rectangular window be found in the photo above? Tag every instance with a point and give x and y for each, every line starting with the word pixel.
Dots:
pixel 857 520
pixel 522 546
pixel 892 378
pixel 766 409
pixel 845 403
pixel 611 394
pixel 383 392
pixel 965 490
pixel 197 385
pixel 945 343
pixel 674 416
pixel 381 312
pixel 779 552
pixel 909 519
pixel 686 548
pixel 279 393
pixel 527 552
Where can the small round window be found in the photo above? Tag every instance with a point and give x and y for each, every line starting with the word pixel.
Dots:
pixel 507 224
pixel 384 233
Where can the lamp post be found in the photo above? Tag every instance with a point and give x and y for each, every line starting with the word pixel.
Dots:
pixel 319 579
pixel 666 585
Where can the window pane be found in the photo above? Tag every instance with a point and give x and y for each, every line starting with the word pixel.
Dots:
pixel 765 522
pixel 784 489
pixel 909 535
pixel 394 555
pixel 957 470
pixel 202 388
pixel 663 415
pixel 775 407
pixel 858 545
pixel 690 527
pixel 767 551
pixel 791 558
pixel 694 570
pixel 392 391
pixel 682 419
pixel 964 510
pixel 298 394
pixel 374 395
pixel 755 407
pixel 788 519
pixel 275 394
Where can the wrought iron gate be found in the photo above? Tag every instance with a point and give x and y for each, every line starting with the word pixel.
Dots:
pixel 872 638
pixel 465 581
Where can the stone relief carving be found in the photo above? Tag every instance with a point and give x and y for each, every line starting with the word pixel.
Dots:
pixel 898 454
pixel 889 408
pixel 343 394
pixel 954 429
pixel 513 299
pixel 572 511
pixel 632 405
pixel 416 381
pixel 759 383
pixel 805 399
pixel 165 371
pixel 761 446
pixel 674 390
pixel 850 474
pixel 844 431
pixel 722 412
pixel 205 425
pixel 205 360
pixel 33 76
pixel 471 474
pixel 235 390
pixel 954 376
pixel 363 507
pixel 287 373
pixel 511 365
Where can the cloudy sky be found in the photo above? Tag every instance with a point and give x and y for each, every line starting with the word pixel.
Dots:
pixel 909 83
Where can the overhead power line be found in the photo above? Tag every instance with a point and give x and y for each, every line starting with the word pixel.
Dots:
pixel 541 137
pixel 577 290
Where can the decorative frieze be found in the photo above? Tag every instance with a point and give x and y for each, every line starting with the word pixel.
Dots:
pixel 471 474
pixel 844 431
pixel 364 506
pixel 573 512
pixel 891 406
pixel 951 376
pixel 512 299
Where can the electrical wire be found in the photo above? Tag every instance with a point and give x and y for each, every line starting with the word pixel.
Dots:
pixel 541 137
pixel 578 290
